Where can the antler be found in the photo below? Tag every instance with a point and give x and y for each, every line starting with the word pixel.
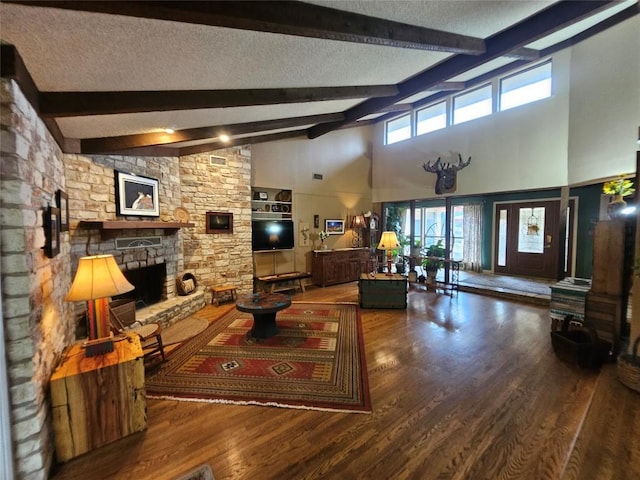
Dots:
pixel 435 168
pixel 461 163
pixel 438 166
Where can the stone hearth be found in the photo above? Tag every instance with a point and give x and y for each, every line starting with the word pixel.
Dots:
pixel 173 310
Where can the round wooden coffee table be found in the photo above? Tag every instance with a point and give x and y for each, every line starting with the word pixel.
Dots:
pixel 264 307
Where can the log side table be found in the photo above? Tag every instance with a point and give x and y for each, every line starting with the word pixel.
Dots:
pixel 97 400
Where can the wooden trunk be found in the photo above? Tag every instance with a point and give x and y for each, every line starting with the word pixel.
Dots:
pixel 96 400
pixel 382 291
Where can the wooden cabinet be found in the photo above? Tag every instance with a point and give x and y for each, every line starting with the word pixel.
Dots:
pixel 608 257
pixel 343 265
pixel 97 400
pixel 271 204
pixel 606 302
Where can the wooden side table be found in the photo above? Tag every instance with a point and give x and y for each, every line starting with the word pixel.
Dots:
pixel 97 400
pixel 218 293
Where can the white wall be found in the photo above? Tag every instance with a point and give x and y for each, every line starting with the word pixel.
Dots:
pixel 605 103
pixel 586 131
pixel 343 158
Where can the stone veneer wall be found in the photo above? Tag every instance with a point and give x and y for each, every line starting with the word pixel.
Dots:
pixel 91 190
pixel 38 322
pixel 219 258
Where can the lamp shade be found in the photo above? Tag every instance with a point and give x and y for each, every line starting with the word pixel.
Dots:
pixel 97 277
pixel 357 222
pixel 388 241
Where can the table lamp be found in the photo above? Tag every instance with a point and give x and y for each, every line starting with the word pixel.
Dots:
pixel 98 278
pixel 388 242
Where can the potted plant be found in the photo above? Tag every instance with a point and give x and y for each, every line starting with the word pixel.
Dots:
pixel 323 236
pixel 431 263
pixel 618 188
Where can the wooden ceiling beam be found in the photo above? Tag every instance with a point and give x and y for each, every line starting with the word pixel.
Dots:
pixel 125 142
pixel 77 104
pixel 284 17
pixel 549 20
pixel 524 53
pixel 208 147
pixel 12 66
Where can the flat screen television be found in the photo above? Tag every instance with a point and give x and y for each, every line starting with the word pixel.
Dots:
pixel 271 235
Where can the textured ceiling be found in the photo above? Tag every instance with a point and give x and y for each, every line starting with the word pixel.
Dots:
pixel 77 51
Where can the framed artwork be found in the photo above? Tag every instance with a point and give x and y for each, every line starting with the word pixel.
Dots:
pixel 334 227
pixel 219 222
pixel 136 195
pixel 51 231
pixel 62 200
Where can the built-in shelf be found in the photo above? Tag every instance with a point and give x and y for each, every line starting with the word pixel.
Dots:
pixel 138 224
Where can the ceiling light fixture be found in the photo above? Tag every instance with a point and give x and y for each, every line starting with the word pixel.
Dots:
pixel 169 130
pixel 224 138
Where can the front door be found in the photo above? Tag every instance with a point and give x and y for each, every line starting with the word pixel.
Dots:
pixel 527 238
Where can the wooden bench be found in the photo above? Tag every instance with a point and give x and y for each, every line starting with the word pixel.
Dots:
pixel 218 294
pixel 276 283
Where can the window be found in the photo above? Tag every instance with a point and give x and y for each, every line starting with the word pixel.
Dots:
pixel 398 129
pixel 525 87
pixel 471 105
pixel 431 118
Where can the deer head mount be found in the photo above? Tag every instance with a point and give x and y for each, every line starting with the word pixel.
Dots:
pixel 446 173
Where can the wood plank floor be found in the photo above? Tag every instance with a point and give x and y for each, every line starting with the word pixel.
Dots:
pixel 463 387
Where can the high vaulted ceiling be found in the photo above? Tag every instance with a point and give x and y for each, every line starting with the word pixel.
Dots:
pixel 110 76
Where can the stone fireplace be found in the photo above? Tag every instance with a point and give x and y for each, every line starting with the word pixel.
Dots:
pixel 149 285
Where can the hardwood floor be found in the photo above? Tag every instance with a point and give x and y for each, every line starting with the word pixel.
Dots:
pixel 463 387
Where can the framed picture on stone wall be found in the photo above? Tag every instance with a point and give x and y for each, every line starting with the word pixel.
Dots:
pixel 62 200
pixel 51 222
pixel 136 195
pixel 219 222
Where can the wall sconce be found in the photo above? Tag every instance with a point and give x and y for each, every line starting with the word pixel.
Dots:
pixel 97 279
pixel 357 225
pixel 388 242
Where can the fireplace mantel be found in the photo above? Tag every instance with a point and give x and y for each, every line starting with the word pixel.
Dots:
pixel 138 224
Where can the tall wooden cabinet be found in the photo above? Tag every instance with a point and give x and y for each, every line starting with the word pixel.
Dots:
pixel 342 265
pixel 606 301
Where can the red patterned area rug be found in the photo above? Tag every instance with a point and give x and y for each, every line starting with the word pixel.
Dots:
pixel 316 361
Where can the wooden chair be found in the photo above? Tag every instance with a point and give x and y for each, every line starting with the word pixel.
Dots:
pixel 150 334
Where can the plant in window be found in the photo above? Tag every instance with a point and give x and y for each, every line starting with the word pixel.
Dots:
pixel 434 250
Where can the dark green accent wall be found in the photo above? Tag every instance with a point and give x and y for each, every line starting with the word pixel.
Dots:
pixel 588 199
pixel 588 214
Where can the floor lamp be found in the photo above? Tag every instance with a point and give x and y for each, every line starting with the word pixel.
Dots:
pixel 97 279
pixel 388 242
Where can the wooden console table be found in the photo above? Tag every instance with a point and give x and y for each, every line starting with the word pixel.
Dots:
pixel 341 265
pixel 97 400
